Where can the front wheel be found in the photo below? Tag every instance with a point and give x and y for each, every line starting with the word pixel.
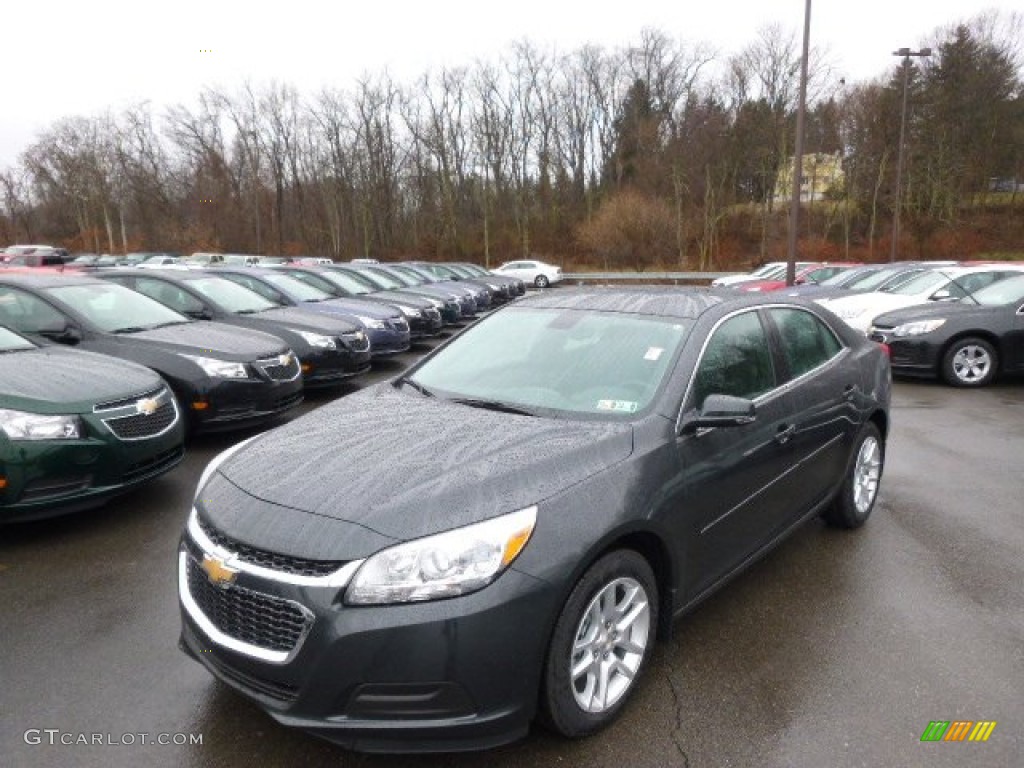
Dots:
pixel 970 363
pixel 852 506
pixel 541 281
pixel 600 644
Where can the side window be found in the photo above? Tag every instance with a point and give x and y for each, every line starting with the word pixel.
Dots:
pixel 737 361
pixel 806 341
pixel 168 294
pixel 24 312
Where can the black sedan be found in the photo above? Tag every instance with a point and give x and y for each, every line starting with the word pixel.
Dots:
pixel 223 377
pixel 415 590
pixel 330 349
pixel 423 318
pixel 78 428
pixel 967 343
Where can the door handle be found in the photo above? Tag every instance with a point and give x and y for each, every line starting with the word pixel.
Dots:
pixel 785 432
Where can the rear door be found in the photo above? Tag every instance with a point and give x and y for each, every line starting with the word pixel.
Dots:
pixel 728 488
pixel 821 394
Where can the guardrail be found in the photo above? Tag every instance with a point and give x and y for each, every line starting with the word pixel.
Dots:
pixel 675 277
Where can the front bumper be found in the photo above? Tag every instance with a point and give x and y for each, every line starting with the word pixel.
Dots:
pixel 50 478
pixel 910 356
pixel 446 675
pixel 216 405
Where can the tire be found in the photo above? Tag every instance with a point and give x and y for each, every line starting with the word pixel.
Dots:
pixel 856 498
pixel 620 585
pixel 970 362
pixel 541 281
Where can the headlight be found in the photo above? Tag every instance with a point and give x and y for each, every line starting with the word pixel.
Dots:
pixel 219 459
pixel 453 563
pixel 219 369
pixel 408 311
pixel 918 328
pixel 317 340
pixel 371 322
pixel 18 425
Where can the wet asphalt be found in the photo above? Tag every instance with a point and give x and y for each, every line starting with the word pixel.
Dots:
pixel 837 649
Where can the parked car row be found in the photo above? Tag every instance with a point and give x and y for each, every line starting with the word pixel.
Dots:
pixel 102 373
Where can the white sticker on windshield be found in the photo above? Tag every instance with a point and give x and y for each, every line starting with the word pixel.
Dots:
pixel 653 353
pixel 619 406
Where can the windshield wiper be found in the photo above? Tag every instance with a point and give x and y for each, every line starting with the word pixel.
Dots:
pixel 248 311
pixel 493 405
pixel 130 329
pixel 416 385
pixel 172 322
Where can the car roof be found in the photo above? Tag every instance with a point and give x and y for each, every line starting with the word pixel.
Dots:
pixel 49 280
pixel 665 301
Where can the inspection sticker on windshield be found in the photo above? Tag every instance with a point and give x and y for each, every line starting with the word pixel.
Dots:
pixel 619 406
pixel 653 353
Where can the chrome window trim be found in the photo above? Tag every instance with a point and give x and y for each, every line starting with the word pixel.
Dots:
pixel 336 580
pixel 229 642
pixel 772 393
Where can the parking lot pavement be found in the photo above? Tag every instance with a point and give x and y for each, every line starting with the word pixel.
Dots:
pixel 837 650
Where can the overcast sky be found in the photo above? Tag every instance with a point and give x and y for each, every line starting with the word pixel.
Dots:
pixel 68 57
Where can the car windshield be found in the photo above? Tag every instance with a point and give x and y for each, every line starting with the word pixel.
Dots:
pixel 848 277
pixel 924 283
pixel 382 280
pixel 557 361
pixel 347 282
pixel 10 341
pixel 115 309
pixel 235 258
pixel 160 260
pixel 231 296
pixel 402 279
pixel 297 289
pixel 1007 291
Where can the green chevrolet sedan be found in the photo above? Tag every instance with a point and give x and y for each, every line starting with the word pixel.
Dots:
pixel 77 428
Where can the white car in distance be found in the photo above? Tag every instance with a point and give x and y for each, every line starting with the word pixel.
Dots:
pixel 943 284
pixel 540 273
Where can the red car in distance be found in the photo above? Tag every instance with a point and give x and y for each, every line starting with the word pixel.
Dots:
pixel 813 273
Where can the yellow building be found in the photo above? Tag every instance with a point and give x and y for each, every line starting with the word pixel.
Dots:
pixel 820 172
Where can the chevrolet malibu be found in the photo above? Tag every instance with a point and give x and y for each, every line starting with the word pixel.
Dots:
pixel 412 590
pixel 77 429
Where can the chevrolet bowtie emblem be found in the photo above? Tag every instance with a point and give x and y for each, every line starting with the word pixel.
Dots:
pixel 219 574
pixel 146 406
pixel 285 360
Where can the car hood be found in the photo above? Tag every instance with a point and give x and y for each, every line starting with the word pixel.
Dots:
pixel 49 379
pixel 941 309
pixel 387 465
pixel 210 339
pixel 305 318
pixel 360 307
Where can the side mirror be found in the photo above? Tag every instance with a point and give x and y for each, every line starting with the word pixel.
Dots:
pixel 60 331
pixel 942 295
pixel 199 314
pixel 721 411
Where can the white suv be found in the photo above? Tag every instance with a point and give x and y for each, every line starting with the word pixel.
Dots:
pixel 540 273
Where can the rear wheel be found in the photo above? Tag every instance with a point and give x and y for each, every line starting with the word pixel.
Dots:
pixel 600 644
pixel 541 281
pixel 852 506
pixel 970 362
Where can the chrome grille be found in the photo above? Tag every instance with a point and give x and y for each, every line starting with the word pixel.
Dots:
pixel 254 618
pixel 139 418
pixel 285 563
pixel 358 342
pixel 399 324
pixel 281 368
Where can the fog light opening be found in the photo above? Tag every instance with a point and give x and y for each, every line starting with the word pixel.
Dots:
pixel 200 405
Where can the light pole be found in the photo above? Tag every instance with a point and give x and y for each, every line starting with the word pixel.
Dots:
pixel 798 157
pixel 906 53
